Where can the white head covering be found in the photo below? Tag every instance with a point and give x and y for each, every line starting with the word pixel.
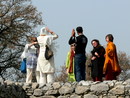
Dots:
pixel 44 31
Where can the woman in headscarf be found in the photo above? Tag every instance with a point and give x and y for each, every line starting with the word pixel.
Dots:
pixel 70 63
pixel 46 67
pixel 97 60
pixel 111 66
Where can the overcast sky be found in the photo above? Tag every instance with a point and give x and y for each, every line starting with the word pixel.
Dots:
pixel 97 17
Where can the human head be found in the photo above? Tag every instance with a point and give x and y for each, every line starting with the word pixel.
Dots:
pixel 109 37
pixel 72 46
pixel 32 39
pixel 44 31
pixel 95 42
pixel 79 29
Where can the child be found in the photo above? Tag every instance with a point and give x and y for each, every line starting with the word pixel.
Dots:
pixel 70 63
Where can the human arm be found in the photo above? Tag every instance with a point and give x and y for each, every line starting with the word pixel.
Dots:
pixel 23 55
pixel 72 38
pixel 55 36
pixel 111 50
pixel 33 43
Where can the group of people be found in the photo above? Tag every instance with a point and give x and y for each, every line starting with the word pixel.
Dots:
pixel 34 53
pixel 104 62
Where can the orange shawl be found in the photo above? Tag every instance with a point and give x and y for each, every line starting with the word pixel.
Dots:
pixel 111 58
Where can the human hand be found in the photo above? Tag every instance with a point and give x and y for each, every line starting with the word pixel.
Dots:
pixel 93 58
pixel 96 54
pixel 48 30
pixel 73 32
pixel 67 70
pixel 34 42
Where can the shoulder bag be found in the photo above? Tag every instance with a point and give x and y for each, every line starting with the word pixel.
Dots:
pixel 48 53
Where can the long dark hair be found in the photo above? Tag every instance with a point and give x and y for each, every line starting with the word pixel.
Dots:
pixel 110 36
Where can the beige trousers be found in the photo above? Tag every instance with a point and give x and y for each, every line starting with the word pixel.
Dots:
pixel 46 78
pixel 30 72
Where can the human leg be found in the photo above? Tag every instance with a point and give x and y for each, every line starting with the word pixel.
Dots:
pixel 80 67
pixel 43 78
pixel 50 77
pixel 77 69
pixel 37 73
pixel 83 69
pixel 109 73
pixel 29 75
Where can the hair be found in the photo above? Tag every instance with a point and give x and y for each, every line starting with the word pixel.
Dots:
pixel 34 39
pixel 110 37
pixel 79 29
pixel 30 39
pixel 73 45
pixel 98 43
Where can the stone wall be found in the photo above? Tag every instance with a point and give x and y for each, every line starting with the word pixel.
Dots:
pixel 83 89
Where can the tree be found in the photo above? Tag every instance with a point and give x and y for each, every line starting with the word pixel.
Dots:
pixel 18 18
pixel 61 74
pixel 124 61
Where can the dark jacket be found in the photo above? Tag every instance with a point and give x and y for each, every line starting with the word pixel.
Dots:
pixel 97 64
pixel 81 42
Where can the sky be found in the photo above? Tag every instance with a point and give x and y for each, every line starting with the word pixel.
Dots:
pixel 97 17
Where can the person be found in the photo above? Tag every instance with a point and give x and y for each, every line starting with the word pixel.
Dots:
pixel 70 63
pixel 111 66
pixel 46 67
pixel 30 54
pixel 97 60
pixel 80 53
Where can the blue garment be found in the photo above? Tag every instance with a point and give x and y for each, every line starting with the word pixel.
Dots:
pixel 23 66
pixel 31 60
pixel 80 68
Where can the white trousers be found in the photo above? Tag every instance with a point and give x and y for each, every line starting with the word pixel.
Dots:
pixel 46 78
pixel 30 72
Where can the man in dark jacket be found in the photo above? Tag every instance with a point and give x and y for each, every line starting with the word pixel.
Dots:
pixel 80 57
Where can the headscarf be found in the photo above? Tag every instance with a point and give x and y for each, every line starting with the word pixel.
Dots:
pixel 44 31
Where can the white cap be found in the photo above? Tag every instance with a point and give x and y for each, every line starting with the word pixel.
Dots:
pixel 44 31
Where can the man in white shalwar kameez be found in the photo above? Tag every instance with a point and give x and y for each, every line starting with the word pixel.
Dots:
pixel 46 67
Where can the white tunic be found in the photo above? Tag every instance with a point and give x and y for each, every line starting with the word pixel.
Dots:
pixel 43 65
pixel 31 56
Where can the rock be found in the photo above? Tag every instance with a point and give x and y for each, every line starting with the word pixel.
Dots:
pixel 75 96
pixel 8 82
pixel 100 88
pixel 48 97
pixel 56 85
pixel 38 92
pixel 63 97
pixel 90 96
pixel 51 92
pixel 85 83
pixel 65 90
pixel 127 81
pixel 35 85
pixel 118 90
pixel 81 89
pixel 68 84
pixel 1 81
